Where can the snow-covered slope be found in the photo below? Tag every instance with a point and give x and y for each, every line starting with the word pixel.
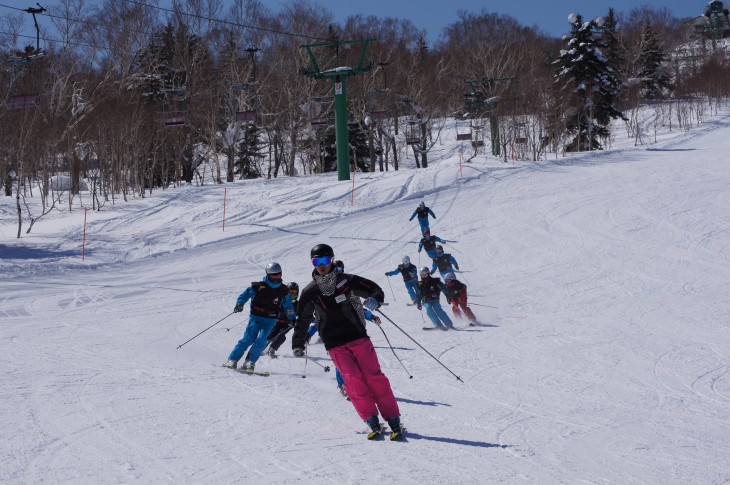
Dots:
pixel 603 356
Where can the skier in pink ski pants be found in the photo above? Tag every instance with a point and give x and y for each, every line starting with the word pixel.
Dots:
pixel 335 297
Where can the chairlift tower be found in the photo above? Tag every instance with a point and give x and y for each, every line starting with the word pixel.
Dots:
pixel 338 74
pixel 484 98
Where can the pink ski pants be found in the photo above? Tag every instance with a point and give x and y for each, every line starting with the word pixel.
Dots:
pixel 368 388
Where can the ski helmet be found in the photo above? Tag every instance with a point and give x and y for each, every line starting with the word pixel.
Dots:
pixel 321 250
pixel 293 291
pixel 339 266
pixel 426 233
pixel 422 204
pixel 439 249
pixel 449 277
pixel 425 271
pixel 273 268
pixel 406 260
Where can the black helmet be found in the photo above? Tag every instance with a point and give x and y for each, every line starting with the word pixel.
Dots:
pixel 293 286
pixel 339 266
pixel 321 250
pixel 293 291
pixel 439 248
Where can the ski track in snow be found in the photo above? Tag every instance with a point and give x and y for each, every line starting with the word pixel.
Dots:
pixel 603 354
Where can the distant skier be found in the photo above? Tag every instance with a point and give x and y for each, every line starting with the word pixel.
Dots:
pixel 429 291
pixel 428 242
pixel 422 212
pixel 267 297
pixel 278 335
pixel 456 295
pixel 410 276
pixel 444 262
pixel 336 299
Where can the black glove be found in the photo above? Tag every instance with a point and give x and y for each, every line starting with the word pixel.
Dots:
pixel 418 305
pixel 386 274
pixel 298 352
pixel 238 308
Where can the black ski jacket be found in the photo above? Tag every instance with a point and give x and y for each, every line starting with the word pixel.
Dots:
pixel 339 320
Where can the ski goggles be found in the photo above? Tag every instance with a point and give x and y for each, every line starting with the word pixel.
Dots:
pixel 275 277
pixel 448 281
pixel 322 261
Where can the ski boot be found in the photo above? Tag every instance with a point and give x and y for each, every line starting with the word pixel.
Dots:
pixel 231 364
pixel 396 428
pixel 248 367
pixel 376 428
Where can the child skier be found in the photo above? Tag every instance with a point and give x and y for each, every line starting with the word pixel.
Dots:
pixel 444 262
pixel 428 242
pixel 422 212
pixel 456 295
pixel 267 297
pixel 429 291
pixel 336 299
pixel 410 276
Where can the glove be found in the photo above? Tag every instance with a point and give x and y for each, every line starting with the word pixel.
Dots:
pixel 298 352
pixel 238 308
pixel 371 304
pixel 376 319
pixel 448 300
pixel 386 274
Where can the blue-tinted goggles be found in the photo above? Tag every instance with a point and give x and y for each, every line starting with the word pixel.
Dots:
pixel 322 261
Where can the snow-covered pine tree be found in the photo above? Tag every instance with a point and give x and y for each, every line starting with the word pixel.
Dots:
pixel 587 78
pixel 655 80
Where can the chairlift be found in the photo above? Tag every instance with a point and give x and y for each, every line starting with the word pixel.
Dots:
pixel 461 133
pixel 413 131
pixel 173 112
pixel 24 59
pixel 248 116
pixel 379 115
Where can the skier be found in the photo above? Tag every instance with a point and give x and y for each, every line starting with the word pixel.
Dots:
pixel 267 297
pixel 444 262
pixel 428 242
pixel 336 299
pixel 429 290
pixel 422 212
pixel 456 295
pixel 278 335
pixel 410 276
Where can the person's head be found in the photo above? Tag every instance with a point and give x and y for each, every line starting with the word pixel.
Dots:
pixel 425 273
pixel 426 233
pixel 273 273
pixel 406 260
pixel 293 291
pixel 422 204
pixel 339 266
pixel 322 256
pixel 449 278
pixel 439 250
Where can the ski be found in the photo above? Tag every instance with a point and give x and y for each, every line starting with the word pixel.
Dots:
pixel 430 328
pixel 242 371
pixel 398 435
pixel 253 372
pixel 376 434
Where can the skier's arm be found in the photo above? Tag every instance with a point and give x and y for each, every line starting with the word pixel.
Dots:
pixel 433 267
pixel 289 308
pixel 413 215
pixel 247 294
pixel 305 312
pixel 365 288
pixel 392 273
pixel 432 214
pixel 453 261
pixel 420 245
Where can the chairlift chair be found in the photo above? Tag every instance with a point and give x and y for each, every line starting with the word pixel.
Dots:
pixel 413 131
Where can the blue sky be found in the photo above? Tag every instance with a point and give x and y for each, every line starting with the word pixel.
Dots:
pixel 433 15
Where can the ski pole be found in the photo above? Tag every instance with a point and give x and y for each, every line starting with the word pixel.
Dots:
pixel 393 350
pixel 306 359
pixel 325 367
pixel 229 328
pixel 487 306
pixel 216 323
pixel 391 289
pixel 414 340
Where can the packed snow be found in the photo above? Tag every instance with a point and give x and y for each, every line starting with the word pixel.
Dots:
pixel 599 281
